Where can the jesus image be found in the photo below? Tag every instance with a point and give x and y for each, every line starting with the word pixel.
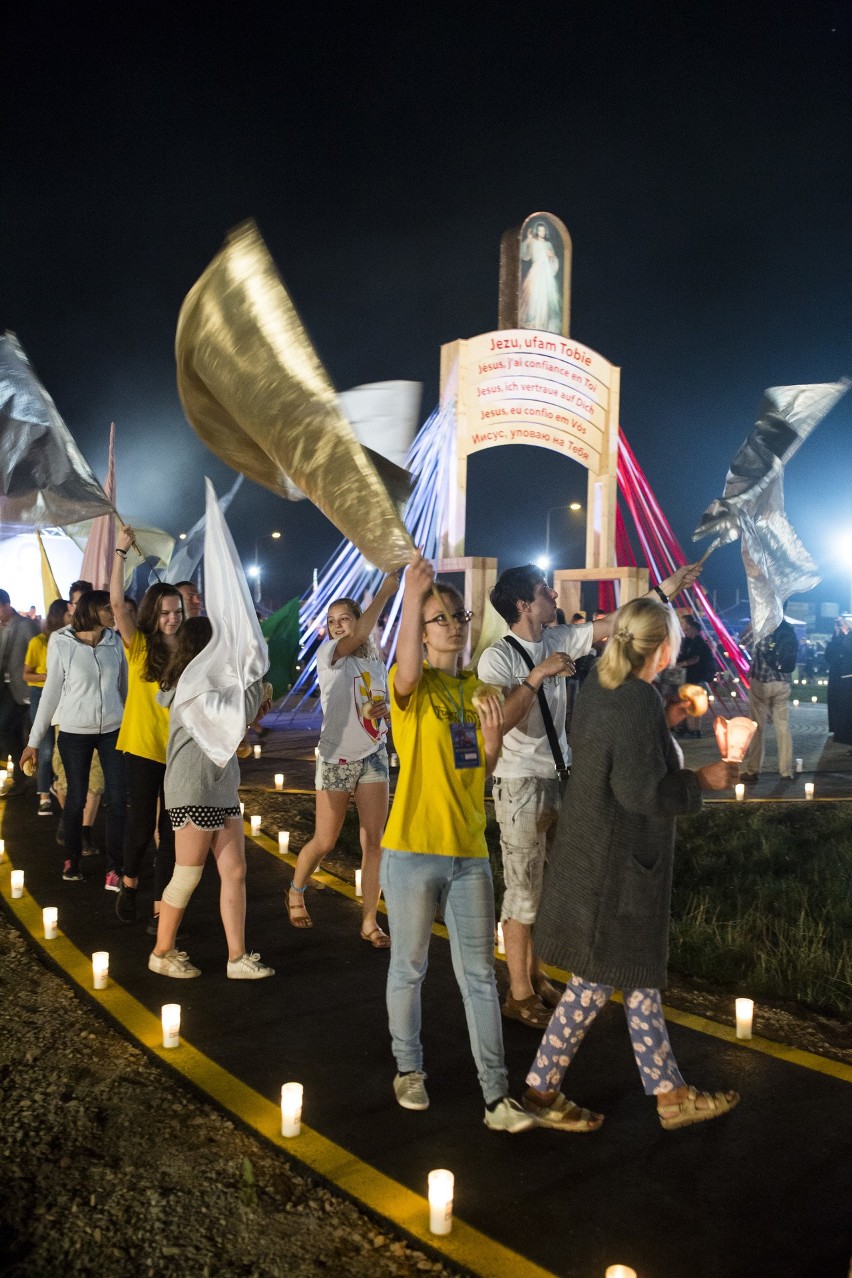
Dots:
pixel 541 301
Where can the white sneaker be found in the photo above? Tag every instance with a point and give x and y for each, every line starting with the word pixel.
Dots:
pixel 507 1116
pixel 173 963
pixel 248 967
pixel 409 1090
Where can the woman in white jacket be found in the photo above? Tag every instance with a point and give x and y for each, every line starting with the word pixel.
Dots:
pixel 84 694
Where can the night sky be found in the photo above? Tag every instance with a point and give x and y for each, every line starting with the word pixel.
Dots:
pixel 698 153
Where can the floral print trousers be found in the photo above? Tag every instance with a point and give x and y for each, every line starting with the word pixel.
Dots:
pixel 577 1008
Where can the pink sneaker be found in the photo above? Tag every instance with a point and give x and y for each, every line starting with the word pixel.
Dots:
pixel 112 882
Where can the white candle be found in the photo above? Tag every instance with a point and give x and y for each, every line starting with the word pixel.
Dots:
pixel 441 1184
pixel 10 763
pixel 798 765
pixel 796 701
pixel 745 1012
pixel 291 1109
pixel 2 849
pixel 358 891
pixel 242 809
pixel 501 944
pixel 316 752
pixel 100 969
pixel 814 699
pixel 171 1024
pixel 279 780
pixel 809 789
pixel 620 1271
pixel 257 752
pixel 50 918
pixel 394 760
pixel 255 824
pixel 283 841
pixel 739 791
pixel 17 883
pixel 4 777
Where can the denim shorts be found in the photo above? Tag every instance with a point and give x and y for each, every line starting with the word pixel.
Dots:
pixel 347 776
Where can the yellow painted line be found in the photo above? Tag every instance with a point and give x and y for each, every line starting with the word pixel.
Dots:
pixel 701 1024
pixel 465 1246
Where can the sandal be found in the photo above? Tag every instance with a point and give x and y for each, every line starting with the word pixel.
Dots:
pixel 562 1115
pixel 297 914
pixel 686 1112
pixel 549 994
pixel 530 1011
pixel 377 938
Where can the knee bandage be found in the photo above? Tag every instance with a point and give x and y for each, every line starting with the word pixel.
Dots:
pixel 182 884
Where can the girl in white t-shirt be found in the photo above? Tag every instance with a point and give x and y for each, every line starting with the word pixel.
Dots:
pixel 352 755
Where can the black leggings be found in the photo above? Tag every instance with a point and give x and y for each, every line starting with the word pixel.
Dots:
pixel 145 790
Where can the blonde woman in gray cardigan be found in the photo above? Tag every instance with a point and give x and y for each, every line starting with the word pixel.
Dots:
pixel 202 801
pixel 607 889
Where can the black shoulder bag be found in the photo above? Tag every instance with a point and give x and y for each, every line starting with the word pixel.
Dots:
pixel 562 769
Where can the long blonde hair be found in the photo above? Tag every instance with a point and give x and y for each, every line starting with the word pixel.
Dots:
pixel 641 627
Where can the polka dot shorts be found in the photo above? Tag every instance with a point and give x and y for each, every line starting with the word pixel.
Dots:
pixel 201 818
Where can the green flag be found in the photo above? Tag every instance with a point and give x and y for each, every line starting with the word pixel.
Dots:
pixel 281 632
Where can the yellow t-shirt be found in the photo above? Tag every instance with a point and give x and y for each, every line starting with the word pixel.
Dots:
pixel 145 725
pixel 437 808
pixel 36 659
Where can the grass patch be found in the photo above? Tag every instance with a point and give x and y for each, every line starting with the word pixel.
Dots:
pixel 761 902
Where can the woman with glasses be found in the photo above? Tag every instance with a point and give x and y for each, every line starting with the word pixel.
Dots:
pixel 84 693
pixel 353 758
pixel 149 640
pixel 448 732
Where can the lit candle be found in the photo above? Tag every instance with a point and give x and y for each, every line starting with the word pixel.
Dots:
pixel 50 918
pixel 394 760
pixel 739 791
pixel 316 752
pixel 279 780
pixel 814 699
pixel 798 765
pixel 4 776
pixel 745 1012
pixel 441 1184
pixel 283 841
pixel 2 849
pixel 501 944
pixel 291 1109
pixel 796 701
pixel 620 1271
pixel 171 1024
pixel 100 969
pixel 358 891
pixel 242 809
pixel 809 790
pixel 17 883
pixel 255 824
pixel 257 752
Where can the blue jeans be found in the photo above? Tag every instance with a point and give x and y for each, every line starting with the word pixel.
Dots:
pixel 414 885
pixel 44 775
pixel 76 750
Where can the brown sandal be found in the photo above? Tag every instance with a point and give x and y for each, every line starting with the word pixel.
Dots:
pixel 562 1114
pixel 686 1112
pixel 377 938
pixel 530 1011
pixel 297 914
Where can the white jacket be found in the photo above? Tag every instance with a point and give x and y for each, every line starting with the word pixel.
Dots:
pixel 85 688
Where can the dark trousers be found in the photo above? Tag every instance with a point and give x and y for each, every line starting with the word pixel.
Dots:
pixel 13 719
pixel 76 750
pixel 145 787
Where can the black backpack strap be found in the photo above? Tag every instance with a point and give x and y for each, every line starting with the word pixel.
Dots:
pixel 547 717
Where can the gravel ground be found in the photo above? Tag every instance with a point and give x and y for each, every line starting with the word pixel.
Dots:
pixel 91 1186
pixel 112 1169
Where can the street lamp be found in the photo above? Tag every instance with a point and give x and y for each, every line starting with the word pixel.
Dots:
pixel 573 506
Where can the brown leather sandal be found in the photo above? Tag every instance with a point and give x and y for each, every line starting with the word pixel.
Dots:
pixel 297 914
pixel 686 1112
pixel 529 1011
pixel 377 938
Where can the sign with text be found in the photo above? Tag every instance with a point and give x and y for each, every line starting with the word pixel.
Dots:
pixel 518 386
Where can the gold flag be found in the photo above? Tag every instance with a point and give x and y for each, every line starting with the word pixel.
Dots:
pixel 255 391
pixel 50 590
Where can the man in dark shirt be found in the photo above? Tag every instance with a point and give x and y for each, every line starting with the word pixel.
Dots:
pixel 698 664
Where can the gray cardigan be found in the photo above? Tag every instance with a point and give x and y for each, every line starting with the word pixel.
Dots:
pixel 606 901
pixel 192 778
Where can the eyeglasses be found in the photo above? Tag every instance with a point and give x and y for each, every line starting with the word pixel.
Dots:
pixel 462 617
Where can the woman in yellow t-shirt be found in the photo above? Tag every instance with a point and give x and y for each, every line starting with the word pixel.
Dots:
pixel 35 673
pixel 149 641
pixel 434 844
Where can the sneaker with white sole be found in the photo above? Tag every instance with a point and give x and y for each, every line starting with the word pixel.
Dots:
pixel 248 967
pixel 173 963
pixel 70 875
pixel 45 807
pixel 410 1091
pixel 507 1116
pixel 112 882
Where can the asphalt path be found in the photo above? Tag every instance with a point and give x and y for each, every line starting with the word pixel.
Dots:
pixel 765 1190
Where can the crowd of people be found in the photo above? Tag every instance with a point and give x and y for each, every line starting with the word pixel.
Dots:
pixel 586 831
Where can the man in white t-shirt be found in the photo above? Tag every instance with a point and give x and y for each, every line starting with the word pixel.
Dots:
pixel 527 781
